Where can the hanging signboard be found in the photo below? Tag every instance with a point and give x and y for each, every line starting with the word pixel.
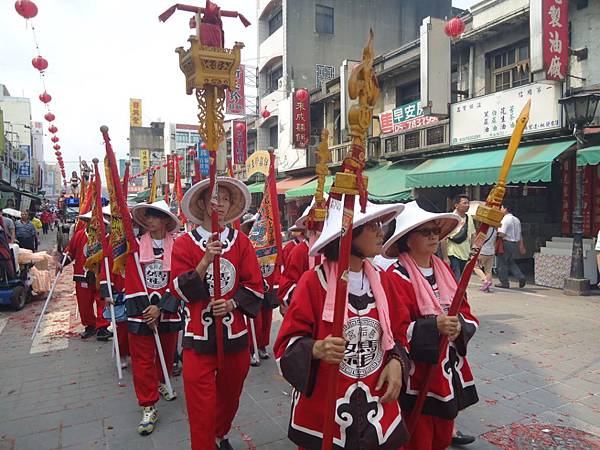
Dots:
pixel 405 117
pixel 301 119
pixel 204 158
pixel 258 163
pixel 171 161
pixel 236 102
pixel 239 140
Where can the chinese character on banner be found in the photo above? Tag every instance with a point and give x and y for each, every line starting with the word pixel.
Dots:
pixel 204 158
pixel 301 119
pixel 239 141
pixel 171 161
pixel 135 112
pixel 587 201
pixel 555 25
pixel 236 102
pixel 567 204
pixel 387 122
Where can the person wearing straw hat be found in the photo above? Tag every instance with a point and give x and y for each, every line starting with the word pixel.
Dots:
pixel 157 309
pixel 297 261
pixel 212 393
pixel 426 285
pixel 373 362
pixel 85 285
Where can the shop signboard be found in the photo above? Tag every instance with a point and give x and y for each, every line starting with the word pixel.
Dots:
pixel 404 117
pixel 236 102
pixel 494 116
pixel 566 179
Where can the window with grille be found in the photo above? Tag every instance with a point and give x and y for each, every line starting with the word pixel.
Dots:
pixel 275 22
pixel 510 67
pixel 435 135
pixel 411 140
pixel 182 137
pixel 323 19
pixel 391 145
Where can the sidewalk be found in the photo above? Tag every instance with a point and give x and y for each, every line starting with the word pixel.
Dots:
pixel 535 360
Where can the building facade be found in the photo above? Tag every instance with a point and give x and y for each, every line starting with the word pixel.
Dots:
pixel 146 149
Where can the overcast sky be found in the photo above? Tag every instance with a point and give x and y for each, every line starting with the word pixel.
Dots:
pixel 101 53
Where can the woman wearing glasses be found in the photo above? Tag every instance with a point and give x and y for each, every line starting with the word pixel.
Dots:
pixel 426 285
pixel 371 356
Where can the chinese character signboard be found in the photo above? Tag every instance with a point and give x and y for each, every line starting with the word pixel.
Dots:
pixel 171 161
pixel 135 112
pixel 587 200
pixel 596 199
pixel 555 26
pixel 144 160
pixel 258 163
pixel 404 117
pixel 25 165
pixel 323 74
pixel 566 179
pixel 239 141
pixel 493 116
pixel 301 120
pixel 236 102
pixel 204 158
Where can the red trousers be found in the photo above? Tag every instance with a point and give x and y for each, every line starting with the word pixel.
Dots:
pixel 145 364
pixel 122 334
pixel 431 433
pixel 262 325
pixel 212 396
pixel 85 303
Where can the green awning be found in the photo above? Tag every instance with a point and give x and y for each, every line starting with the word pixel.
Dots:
pixel 308 189
pixel 532 163
pixel 256 188
pixel 589 156
pixel 142 196
pixel 386 184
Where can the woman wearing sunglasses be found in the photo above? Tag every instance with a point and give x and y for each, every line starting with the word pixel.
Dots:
pixel 371 356
pixel 426 285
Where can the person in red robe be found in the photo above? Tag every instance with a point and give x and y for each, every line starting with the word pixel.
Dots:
pixel 150 306
pixel 298 236
pixel 212 393
pixel 426 286
pixel 372 356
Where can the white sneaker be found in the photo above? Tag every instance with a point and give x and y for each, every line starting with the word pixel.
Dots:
pixel 162 388
pixel 149 419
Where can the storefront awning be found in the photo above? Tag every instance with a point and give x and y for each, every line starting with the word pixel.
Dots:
pixel 386 184
pixel 256 188
pixel 532 163
pixel 589 156
pixel 283 186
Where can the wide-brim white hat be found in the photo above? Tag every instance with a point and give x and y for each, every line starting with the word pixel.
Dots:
pixel 300 223
pixel 88 216
pixel 12 212
pixel 240 199
pixel 250 219
pixel 106 210
pixel 295 228
pixel 138 212
pixel 412 217
pixel 332 227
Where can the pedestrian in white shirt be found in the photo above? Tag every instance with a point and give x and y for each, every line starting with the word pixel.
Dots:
pixel 485 261
pixel 512 240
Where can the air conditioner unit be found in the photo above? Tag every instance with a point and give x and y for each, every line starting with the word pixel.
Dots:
pixel 281 84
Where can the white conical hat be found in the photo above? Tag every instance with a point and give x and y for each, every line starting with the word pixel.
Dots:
pixel 249 218
pixel 88 216
pixel 138 212
pixel 240 199
pixel 414 216
pixel 300 223
pixel 332 226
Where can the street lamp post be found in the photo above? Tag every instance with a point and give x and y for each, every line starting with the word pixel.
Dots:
pixel 580 110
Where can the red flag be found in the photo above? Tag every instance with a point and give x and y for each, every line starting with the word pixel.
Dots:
pixel 96 230
pixel 179 192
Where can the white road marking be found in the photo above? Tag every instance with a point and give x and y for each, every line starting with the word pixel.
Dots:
pixel 52 335
pixel 3 322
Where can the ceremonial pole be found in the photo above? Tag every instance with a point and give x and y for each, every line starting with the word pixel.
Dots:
pixel 48 297
pixel 210 69
pixel 349 182
pixel 489 215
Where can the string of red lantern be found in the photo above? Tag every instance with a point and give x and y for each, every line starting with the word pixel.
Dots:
pixel 28 10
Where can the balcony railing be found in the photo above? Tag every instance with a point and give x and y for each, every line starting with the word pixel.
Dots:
pixel 339 152
pixel 427 138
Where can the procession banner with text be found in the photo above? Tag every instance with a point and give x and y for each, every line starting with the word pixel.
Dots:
pixel 301 122
pixel 239 140
pixel 236 102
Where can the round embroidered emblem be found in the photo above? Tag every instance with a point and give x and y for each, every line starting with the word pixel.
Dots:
pixel 155 277
pixel 228 274
pixel 364 354
pixel 267 270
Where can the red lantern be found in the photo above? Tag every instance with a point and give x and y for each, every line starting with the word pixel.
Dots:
pixel 192 152
pixel 203 146
pixel 49 117
pixel 45 97
pixel 54 139
pixel 26 8
pixel 58 154
pixel 52 129
pixel 454 27
pixel 179 158
pixel 39 63
pixel 240 127
pixel 56 147
pixel 265 113
pixel 301 95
